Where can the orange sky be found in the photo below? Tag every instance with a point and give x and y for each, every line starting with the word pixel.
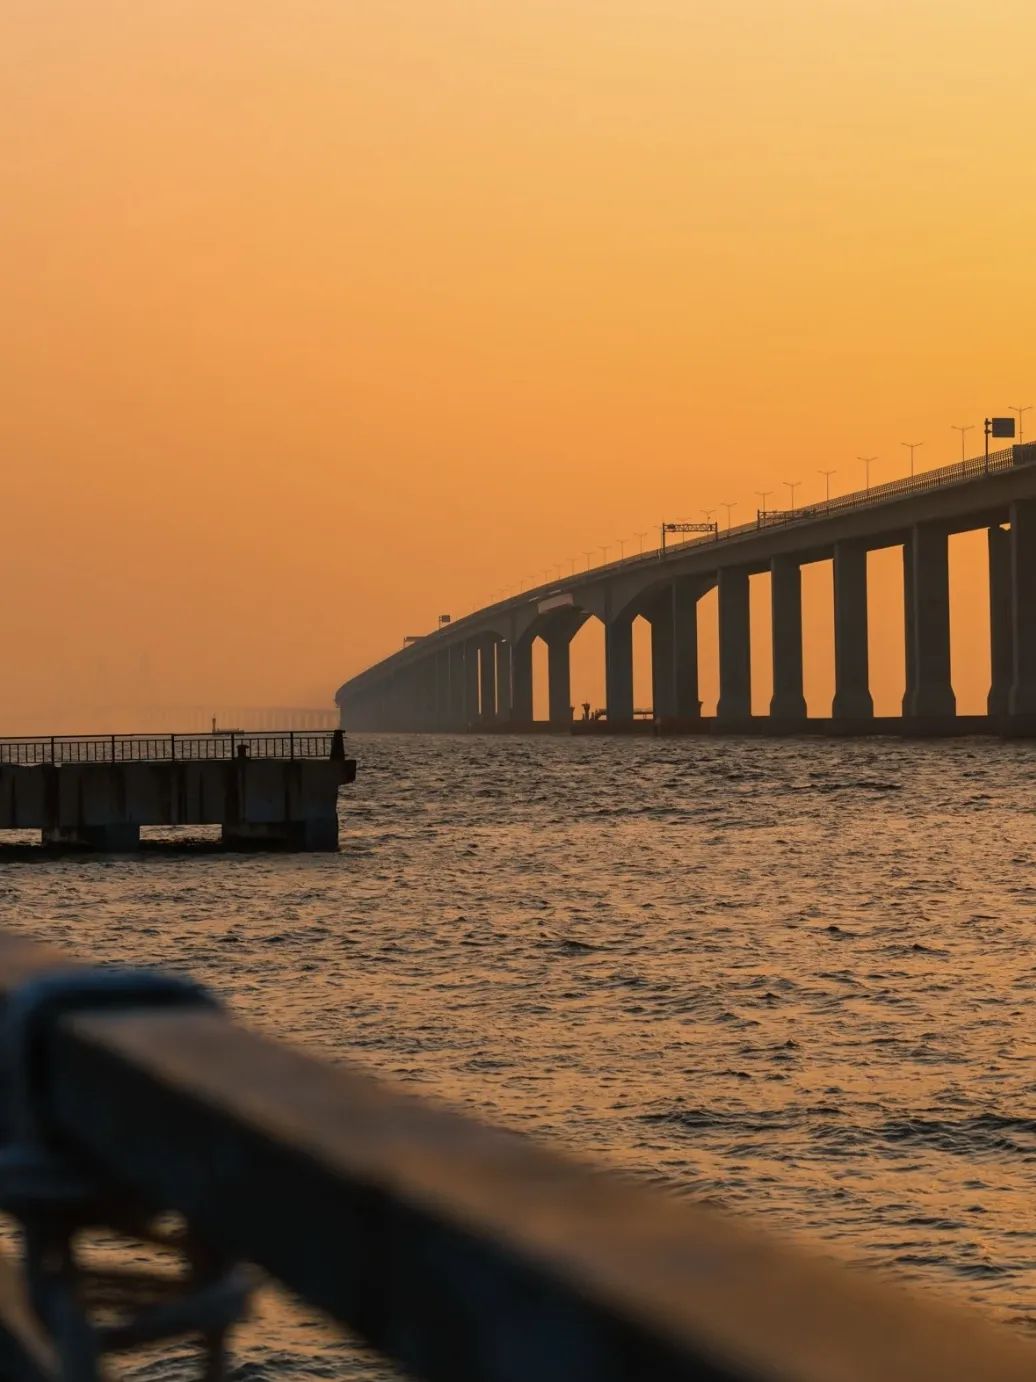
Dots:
pixel 321 319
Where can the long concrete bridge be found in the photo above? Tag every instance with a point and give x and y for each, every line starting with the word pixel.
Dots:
pixel 477 671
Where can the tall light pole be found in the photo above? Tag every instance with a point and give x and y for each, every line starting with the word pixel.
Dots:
pixel 911 446
pixel 963 432
pixel 709 515
pixel 571 566
pixel 604 553
pixel 622 548
pixel 792 487
pixel 827 484
pixel 867 470
pixel 1021 412
pixel 641 537
pixel 729 508
pixel 588 555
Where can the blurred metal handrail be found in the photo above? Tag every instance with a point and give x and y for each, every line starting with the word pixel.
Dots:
pixel 463 1252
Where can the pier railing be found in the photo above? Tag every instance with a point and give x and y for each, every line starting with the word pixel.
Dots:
pixel 164 748
pixel 462 1253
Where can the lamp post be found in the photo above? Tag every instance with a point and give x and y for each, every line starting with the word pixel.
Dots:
pixel 604 554
pixel 792 487
pixel 867 470
pixel 641 537
pixel 588 555
pixel 729 508
pixel 963 430
pixel 911 446
pixel 827 484
pixel 1021 413
pixel 622 548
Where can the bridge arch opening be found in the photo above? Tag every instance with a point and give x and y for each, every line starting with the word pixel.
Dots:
pixel 761 639
pixel 708 651
pixel 587 655
pixel 818 637
pixel 643 689
pixel 886 630
pixel 970 661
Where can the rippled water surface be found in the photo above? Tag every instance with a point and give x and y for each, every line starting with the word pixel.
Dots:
pixel 794 977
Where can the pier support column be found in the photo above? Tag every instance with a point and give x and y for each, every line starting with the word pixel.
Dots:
pixel 1023 603
pixel 559 677
pixel 521 681
pixel 456 714
pixel 852 671
pixel 618 669
pixel 735 653
pixel 471 663
pixel 663 679
pixel 442 688
pixel 503 680
pixel 1001 620
pixel 674 650
pixel 426 694
pixel 487 679
pixel 787 702
pixel 932 694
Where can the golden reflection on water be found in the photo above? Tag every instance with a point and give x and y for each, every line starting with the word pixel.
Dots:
pixel 793 978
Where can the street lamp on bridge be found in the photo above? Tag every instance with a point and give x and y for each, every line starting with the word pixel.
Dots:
pixel 827 484
pixel 867 470
pixel 963 430
pixel 911 446
pixel 792 487
pixel 1021 412
pixel 729 508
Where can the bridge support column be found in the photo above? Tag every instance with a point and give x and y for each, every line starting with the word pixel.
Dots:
pixel 503 680
pixel 487 679
pixel 470 714
pixel 1023 602
pixel 426 694
pixel 674 650
pixel 521 681
pixel 787 702
pixel 735 654
pixel 1001 621
pixel 928 621
pixel 618 669
pixel 458 688
pixel 559 677
pixel 852 670
pixel 442 689
pixel 663 675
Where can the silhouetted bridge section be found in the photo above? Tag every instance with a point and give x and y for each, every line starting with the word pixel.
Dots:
pixel 460 1252
pixel 477 671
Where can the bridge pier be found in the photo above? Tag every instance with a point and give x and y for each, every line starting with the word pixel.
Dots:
pixel 521 681
pixel 787 703
pixel 1023 600
pixel 852 671
pixel 618 669
pixel 486 655
pixel 929 623
pixel 1001 621
pixel 674 650
pixel 735 657
pixel 559 676
pixel 442 688
pixel 503 680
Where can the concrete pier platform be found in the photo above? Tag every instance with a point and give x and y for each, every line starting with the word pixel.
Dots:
pixel 266 792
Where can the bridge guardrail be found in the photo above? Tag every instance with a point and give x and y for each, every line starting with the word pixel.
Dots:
pixel 31 751
pixel 461 1252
